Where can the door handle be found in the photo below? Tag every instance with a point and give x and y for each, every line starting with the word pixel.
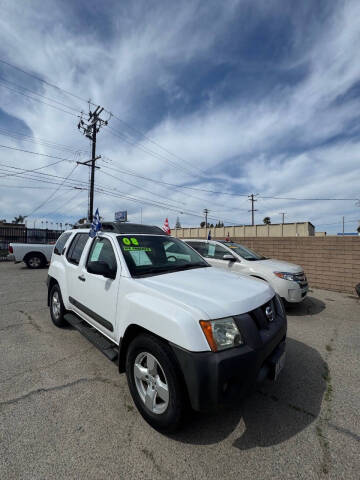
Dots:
pixel 82 278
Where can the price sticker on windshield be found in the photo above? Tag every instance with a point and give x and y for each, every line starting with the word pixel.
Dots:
pixel 130 241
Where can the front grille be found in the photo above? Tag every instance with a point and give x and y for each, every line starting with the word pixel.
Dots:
pixel 262 316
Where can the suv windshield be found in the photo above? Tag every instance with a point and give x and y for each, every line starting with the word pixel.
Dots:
pixel 244 252
pixel 156 254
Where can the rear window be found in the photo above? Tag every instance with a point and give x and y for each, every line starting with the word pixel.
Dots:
pixel 76 248
pixel 60 244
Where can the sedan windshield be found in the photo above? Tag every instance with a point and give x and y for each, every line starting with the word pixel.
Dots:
pixel 157 254
pixel 244 252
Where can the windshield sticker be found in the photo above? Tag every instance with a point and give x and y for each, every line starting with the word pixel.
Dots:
pixel 137 249
pixel 211 252
pixel 129 241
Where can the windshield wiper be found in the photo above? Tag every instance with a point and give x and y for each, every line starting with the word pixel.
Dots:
pixel 168 269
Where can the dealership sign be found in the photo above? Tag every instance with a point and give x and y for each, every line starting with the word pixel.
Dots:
pixel 121 216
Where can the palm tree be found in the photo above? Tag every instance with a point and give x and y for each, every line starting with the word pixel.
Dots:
pixel 19 219
pixel 267 221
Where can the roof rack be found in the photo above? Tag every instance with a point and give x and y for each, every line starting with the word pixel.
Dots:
pixel 124 227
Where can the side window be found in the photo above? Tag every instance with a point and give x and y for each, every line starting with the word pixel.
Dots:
pixel 200 247
pixel 102 251
pixel 76 248
pixel 216 251
pixel 60 244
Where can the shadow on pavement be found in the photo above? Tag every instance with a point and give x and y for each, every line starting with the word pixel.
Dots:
pixel 272 414
pixel 309 306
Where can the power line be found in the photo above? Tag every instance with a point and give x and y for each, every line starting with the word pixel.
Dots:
pixel 2 80
pixel 44 81
pixel 54 192
pixel 40 141
pixel 38 100
pixel 36 153
pixel 31 170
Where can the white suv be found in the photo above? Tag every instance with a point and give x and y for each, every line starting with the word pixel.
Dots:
pixel 184 332
pixel 287 279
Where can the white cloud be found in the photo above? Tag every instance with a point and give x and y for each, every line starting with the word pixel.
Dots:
pixel 277 145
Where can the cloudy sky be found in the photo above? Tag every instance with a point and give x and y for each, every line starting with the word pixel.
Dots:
pixel 224 98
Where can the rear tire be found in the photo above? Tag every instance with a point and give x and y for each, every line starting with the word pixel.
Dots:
pixel 57 309
pixel 155 383
pixel 35 260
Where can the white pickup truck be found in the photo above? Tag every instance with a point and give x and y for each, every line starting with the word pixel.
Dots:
pixel 184 332
pixel 35 255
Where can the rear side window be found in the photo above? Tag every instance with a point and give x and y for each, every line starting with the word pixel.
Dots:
pixel 76 248
pixel 60 244
pixel 200 247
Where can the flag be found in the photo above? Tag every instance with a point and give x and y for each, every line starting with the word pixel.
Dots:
pixel 209 236
pixel 96 224
pixel 166 227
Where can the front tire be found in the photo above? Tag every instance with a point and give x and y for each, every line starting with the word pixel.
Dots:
pixel 155 383
pixel 57 309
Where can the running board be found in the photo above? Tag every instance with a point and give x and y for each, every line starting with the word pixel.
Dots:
pixel 107 347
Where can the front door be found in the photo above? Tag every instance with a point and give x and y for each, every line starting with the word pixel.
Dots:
pixel 96 297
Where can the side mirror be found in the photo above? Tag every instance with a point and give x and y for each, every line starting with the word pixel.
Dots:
pixel 101 268
pixel 229 257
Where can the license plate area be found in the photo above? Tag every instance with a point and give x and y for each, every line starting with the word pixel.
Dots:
pixel 279 365
pixel 277 361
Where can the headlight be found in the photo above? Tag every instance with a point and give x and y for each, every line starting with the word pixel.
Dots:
pixel 285 276
pixel 221 334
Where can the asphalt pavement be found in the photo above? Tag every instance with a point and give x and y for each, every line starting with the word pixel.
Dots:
pixel 66 413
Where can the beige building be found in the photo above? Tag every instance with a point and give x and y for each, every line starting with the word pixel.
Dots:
pixel 299 229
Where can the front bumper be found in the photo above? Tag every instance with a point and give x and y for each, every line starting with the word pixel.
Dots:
pixel 219 378
pixel 293 292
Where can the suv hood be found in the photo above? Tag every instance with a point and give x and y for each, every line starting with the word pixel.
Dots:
pixel 212 291
pixel 279 266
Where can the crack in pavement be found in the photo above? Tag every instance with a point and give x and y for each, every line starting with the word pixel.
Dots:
pixel 289 405
pixel 59 387
pixel 345 431
pixel 324 418
pixel 39 369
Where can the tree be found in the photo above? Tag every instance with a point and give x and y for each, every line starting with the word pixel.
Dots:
pixel 178 224
pixel 82 220
pixel 3 220
pixel 219 224
pixel 202 224
pixel 211 225
pixel 267 220
pixel 358 229
pixel 19 219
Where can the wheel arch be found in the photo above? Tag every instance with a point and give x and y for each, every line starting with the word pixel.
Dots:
pixel 51 282
pixel 34 252
pixel 132 331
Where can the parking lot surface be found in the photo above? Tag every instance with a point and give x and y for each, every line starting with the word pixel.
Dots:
pixel 65 412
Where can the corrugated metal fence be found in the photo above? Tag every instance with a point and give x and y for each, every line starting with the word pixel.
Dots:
pixel 19 234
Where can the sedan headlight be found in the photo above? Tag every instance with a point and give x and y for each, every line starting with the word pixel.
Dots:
pixel 286 276
pixel 221 334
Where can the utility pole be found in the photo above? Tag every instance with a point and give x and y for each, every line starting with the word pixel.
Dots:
pixel 90 127
pixel 283 216
pixel 253 210
pixel 343 223
pixel 206 211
